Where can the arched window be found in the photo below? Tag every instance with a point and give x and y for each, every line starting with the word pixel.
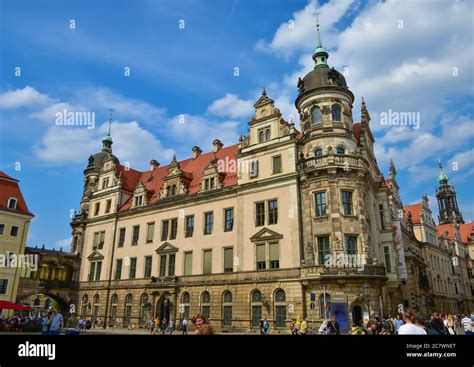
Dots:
pixel 261 136
pixel 267 134
pixel 85 302
pixel 47 304
pixel 37 302
pixel 318 152
pixel 316 115
pixel 128 309
pixel 340 150
pixel 206 304
pixel 280 308
pixel 185 298
pixel 336 112
pixel 113 308
pixel 256 307
pixel 325 306
pixel 144 309
pixel 227 308
pixel 12 203
pixel 95 313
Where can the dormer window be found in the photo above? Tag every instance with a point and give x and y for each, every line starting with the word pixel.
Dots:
pixel 316 116
pixel 12 203
pixel 138 200
pixel 264 134
pixel 336 113
pixel 105 183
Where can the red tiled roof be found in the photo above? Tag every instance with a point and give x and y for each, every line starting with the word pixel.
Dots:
pixel 415 210
pixel 192 173
pixel 465 229
pixel 356 131
pixel 9 188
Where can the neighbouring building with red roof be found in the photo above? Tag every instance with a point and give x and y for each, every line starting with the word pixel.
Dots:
pixel 15 219
pixel 285 223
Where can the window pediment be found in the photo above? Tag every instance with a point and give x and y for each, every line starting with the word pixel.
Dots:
pixel 266 234
pixel 210 178
pixel 95 255
pixel 166 248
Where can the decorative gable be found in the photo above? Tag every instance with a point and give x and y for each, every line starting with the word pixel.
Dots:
pixel 140 195
pixel 95 255
pixel 174 182
pixel 166 248
pixel 266 234
pixel 210 177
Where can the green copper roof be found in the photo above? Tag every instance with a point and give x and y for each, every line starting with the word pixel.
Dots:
pixel 442 178
pixel 320 56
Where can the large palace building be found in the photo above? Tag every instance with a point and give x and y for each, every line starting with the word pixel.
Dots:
pixel 285 223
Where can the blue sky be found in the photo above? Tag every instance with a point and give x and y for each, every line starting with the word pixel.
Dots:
pixel 403 56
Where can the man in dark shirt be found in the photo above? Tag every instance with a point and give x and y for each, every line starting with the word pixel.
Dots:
pixel 333 326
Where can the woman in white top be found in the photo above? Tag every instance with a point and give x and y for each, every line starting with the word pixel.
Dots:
pixel 409 328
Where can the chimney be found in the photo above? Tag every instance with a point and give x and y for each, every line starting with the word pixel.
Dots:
pixel 217 144
pixel 196 151
pixel 154 164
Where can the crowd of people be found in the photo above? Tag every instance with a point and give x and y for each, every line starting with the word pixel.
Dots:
pixel 411 324
pixel 167 327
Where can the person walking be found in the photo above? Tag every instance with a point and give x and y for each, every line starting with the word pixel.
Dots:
pixel 184 326
pixel 410 327
pixel 266 327
pixel 304 327
pixel 334 326
pixel 56 323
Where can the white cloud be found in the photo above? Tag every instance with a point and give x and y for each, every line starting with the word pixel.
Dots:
pixel 231 106
pixel 64 245
pixel 26 97
pixel 132 143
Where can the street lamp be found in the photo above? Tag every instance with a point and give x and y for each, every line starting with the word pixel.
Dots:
pixel 366 288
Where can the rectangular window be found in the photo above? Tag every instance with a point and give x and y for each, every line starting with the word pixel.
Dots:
pixel 150 232
pixel 138 200
pixel 227 316
pixel 101 240
pixel 280 319
pixel 206 184
pixel 229 220
pixel 347 202
pixel 164 229
pixel 118 269
pixel 148 263
pixel 228 260
pixel 3 286
pixel 96 209
pixel 208 222
pixel 162 265
pixel 174 228
pixel 254 169
pixel 98 270
pixel 2 228
pixel 351 245
pixel 133 268
pixel 171 262
pixel 320 203
pixel 105 183
pixel 323 249
pixel 276 164
pixel 261 261
pixel 388 263
pixel 212 182
pixel 14 231
pixel 188 263
pixel 274 256
pixel 91 271
pixel 207 262
pixel 206 311
pixel 259 214
pixel 189 225
pixel 108 205
pixel 95 242
pixel 272 211
pixel 382 216
pixel 135 235
pixel 121 240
